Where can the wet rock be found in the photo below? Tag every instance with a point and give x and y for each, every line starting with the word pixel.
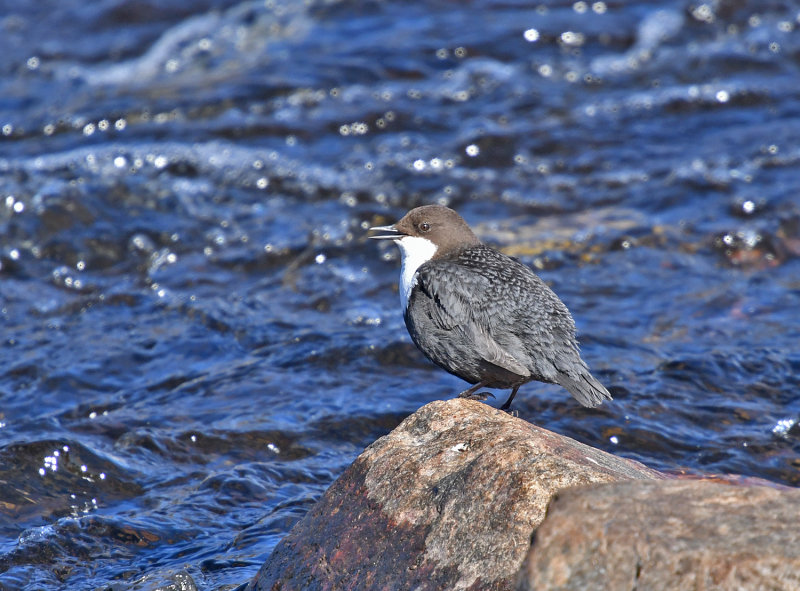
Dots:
pixel 667 535
pixel 749 249
pixel 448 500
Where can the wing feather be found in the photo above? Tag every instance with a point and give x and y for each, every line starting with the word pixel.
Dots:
pixel 461 307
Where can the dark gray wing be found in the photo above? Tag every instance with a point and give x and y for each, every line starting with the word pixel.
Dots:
pixel 513 317
pixel 459 306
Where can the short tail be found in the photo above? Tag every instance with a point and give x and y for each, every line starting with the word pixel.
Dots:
pixel 585 389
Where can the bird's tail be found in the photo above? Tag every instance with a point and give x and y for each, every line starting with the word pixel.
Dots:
pixel 585 388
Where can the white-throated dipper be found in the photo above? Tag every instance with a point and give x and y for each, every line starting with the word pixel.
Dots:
pixel 481 315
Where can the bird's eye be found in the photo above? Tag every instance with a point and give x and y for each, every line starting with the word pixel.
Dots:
pixel 424 227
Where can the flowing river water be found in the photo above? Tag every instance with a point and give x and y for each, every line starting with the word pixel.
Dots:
pixel 197 338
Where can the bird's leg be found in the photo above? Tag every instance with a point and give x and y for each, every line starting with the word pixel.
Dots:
pixel 507 403
pixel 470 393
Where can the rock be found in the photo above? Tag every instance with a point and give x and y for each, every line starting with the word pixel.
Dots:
pixel 667 535
pixel 448 500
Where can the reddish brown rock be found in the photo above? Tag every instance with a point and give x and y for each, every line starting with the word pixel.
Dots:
pixel 667 535
pixel 448 500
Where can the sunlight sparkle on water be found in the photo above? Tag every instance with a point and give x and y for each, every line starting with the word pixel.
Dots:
pixel 783 426
pixel 572 38
pixel 531 35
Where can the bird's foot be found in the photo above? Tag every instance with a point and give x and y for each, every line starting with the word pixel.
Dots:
pixel 466 394
pixel 507 403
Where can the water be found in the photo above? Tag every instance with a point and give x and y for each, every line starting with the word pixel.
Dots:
pixel 197 338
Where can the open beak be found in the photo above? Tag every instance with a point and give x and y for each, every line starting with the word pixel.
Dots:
pixel 394 233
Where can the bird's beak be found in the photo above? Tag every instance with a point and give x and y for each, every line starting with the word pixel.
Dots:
pixel 395 234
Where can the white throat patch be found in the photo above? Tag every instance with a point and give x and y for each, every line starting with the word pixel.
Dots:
pixel 416 251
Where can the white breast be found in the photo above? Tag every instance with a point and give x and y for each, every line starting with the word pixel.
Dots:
pixel 416 251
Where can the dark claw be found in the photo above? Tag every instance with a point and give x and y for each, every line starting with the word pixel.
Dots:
pixel 466 394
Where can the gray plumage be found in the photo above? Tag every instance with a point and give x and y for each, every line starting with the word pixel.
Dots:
pixel 486 317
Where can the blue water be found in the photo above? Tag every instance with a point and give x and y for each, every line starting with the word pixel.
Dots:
pixel 197 337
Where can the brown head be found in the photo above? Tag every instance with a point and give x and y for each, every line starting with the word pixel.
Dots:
pixel 425 233
pixel 439 225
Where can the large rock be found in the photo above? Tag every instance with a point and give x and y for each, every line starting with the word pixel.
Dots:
pixel 448 500
pixel 666 536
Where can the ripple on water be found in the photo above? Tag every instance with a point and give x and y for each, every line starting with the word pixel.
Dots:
pixel 61 479
pixel 191 308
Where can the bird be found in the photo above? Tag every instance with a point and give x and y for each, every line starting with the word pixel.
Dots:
pixel 481 315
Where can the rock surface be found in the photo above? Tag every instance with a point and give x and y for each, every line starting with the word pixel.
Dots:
pixel 667 535
pixel 448 500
